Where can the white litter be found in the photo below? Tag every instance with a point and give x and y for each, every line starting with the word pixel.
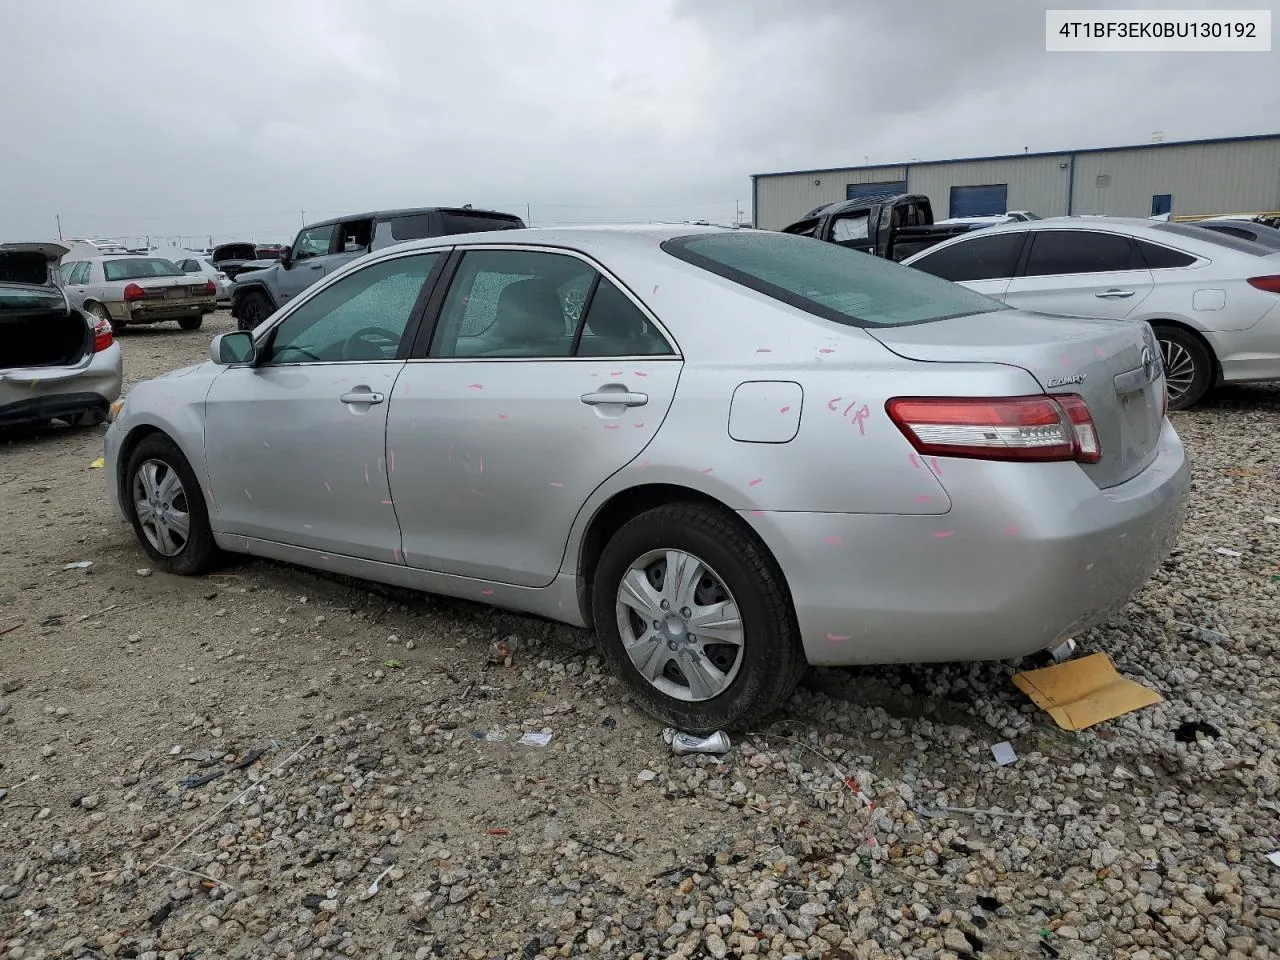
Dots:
pixel 535 739
pixel 79 565
pixel 1274 520
pixel 644 776
pixel 1274 857
pixel 1003 752
pixel 1226 552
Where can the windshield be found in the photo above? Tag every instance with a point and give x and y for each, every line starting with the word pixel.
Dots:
pixel 139 268
pixel 829 281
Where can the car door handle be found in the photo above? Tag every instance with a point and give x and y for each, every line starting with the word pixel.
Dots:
pixel 1114 294
pixel 615 396
pixel 361 396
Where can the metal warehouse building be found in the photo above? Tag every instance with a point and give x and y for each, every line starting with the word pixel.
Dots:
pixel 1231 175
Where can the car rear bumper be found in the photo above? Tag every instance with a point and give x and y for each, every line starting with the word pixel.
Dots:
pixel 1029 555
pixel 37 394
pixel 158 311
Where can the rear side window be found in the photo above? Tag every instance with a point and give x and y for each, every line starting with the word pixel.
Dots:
pixel 989 257
pixel 1162 258
pixel 415 227
pixel 452 222
pixel 827 280
pixel 1055 252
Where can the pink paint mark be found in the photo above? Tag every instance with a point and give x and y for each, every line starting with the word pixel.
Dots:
pixel 1062 358
pixel 248 494
pixel 756 482
pixel 1012 531
pixel 379 465
pixel 655 288
pixel 644 465
pixel 831 404
pixel 640 373
pixel 386 503
pixel 923 498
pixel 503 416
pixel 757 513
pixel 933 462
pixel 826 350
pixel 413 425
pixel 838 636
pixel 391 461
pixel 328 488
pixel 486 593
pixel 943 534
pixel 915 461
pixel 613 426
pixel 556 484
pixel 860 418
pixel 615 373
pixel 783 409
pixel 1098 351
pixel 834 541
pixel 706 470
pixel 475 386
pixel 405 391
pixel 325 556
pixel 640 425
pixel 482 464
pixel 395 554
pixel 763 350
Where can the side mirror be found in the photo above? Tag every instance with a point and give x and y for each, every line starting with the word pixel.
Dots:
pixel 286 257
pixel 233 348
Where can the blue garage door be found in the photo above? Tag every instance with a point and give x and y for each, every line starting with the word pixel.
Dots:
pixel 861 191
pixel 985 201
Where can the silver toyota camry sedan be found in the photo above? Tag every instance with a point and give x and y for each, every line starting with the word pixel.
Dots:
pixel 728 452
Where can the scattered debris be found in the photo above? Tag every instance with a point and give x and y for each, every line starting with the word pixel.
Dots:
pixel 12 628
pixel 1274 857
pixel 312 901
pixel 1080 693
pixel 1272 520
pixel 622 854
pixel 373 887
pixel 1227 552
pixel 644 776
pixel 160 915
pixel 686 743
pixel 393 664
pixel 53 620
pixel 503 651
pixel 1003 752
pixel 498 832
pixel 79 565
pixel 535 739
pixel 203 757
pixel 1186 732
pixel 98 464
pixel 491 736
pixel 1064 651
pixel 143 571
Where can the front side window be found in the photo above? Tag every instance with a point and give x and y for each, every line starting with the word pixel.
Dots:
pixel 314 242
pixel 1056 252
pixel 513 303
pixel 360 318
pixel 850 228
pixel 990 256
pixel 827 280
pixel 139 268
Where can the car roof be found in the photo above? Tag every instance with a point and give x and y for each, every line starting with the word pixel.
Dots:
pixel 410 212
pixel 638 237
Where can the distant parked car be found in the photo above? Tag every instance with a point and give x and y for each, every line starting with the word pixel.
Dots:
pixel 130 291
pixel 202 266
pixel 55 361
pixel 728 451
pixel 1213 300
pixel 1013 216
pixel 234 259
pixel 322 248
pixel 1242 229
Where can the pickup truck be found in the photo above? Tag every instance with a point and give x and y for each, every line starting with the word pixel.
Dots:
pixel 893 227
pixel 321 248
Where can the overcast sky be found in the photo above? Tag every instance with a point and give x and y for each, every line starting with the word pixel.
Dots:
pixel 229 118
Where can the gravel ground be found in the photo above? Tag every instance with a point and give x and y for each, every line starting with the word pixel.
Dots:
pixel 366 818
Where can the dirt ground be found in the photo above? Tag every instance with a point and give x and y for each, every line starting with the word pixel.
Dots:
pixel 120 689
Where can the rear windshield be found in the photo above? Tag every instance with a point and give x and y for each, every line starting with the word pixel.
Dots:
pixel 235 251
pixel 830 281
pixel 1212 236
pixel 453 221
pixel 139 268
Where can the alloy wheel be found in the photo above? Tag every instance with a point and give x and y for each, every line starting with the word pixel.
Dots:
pixel 1179 369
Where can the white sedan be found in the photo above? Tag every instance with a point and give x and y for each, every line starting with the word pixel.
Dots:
pixel 1213 300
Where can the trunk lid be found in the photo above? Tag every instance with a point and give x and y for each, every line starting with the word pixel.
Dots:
pixel 1114 365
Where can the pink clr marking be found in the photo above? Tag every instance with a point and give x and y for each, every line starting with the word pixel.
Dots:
pixel 486 593
pixel 655 288
pixel 556 484
pixel 756 481
pixel 391 461
pixel 943 534
pixel 482 464
pixel 248 494
pixel 838 636
pixel 503 416
pixel 831 404
pixel 860 417
pixel 613 426
pixel 644 465
pixel 706 470
pixel 615 373
pixel 325 556
pixel 640 373
pixel 783 409
pixel 915 461
pixel 933 462
pixel 923 498
pixel 386 503
pixel 1012 531
pixel 1062 358
pixel 405 392
pixel 1099 352
pixel 475 386
pixel 826 350
pixel 763 350
pixel 834 541
pixel 640 425
pixel 395 554
pixel 757 513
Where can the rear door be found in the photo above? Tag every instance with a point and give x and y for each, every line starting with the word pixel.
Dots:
pixel 518 410
pixel 985 262
pixel 1081 273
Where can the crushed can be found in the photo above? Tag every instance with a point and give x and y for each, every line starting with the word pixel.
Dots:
pixel 683 743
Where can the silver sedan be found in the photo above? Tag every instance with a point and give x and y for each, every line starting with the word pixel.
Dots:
pixel 131 290
pixel 730 453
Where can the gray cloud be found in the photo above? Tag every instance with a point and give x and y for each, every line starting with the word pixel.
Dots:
pixel 145 117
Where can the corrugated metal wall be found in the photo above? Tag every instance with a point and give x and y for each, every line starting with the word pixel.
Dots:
pixel 785 199
pixel 1207 178
pixel 1203 178
pixel 1038 184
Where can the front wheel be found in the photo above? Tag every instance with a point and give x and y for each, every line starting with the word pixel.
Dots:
pixel 190 323
pixel 693 615
pixel 1188 366
pixel 166 509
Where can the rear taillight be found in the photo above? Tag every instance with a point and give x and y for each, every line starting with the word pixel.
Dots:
pixel 209 288
pixel 101 334
pixel 134 292
pixel 1002 428
pixel 1269 284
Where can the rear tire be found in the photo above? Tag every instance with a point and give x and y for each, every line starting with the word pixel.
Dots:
pixel 254 308
pixel 727 678
pixel 165 506
pixel 1188 366
pixel 191 323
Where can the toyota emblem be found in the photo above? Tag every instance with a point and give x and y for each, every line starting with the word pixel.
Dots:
pixel 1150 365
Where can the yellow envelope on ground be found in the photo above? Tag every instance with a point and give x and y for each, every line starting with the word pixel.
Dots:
pixel 1080 693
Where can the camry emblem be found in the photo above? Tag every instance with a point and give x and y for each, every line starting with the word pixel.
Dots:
pixel 1150 365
